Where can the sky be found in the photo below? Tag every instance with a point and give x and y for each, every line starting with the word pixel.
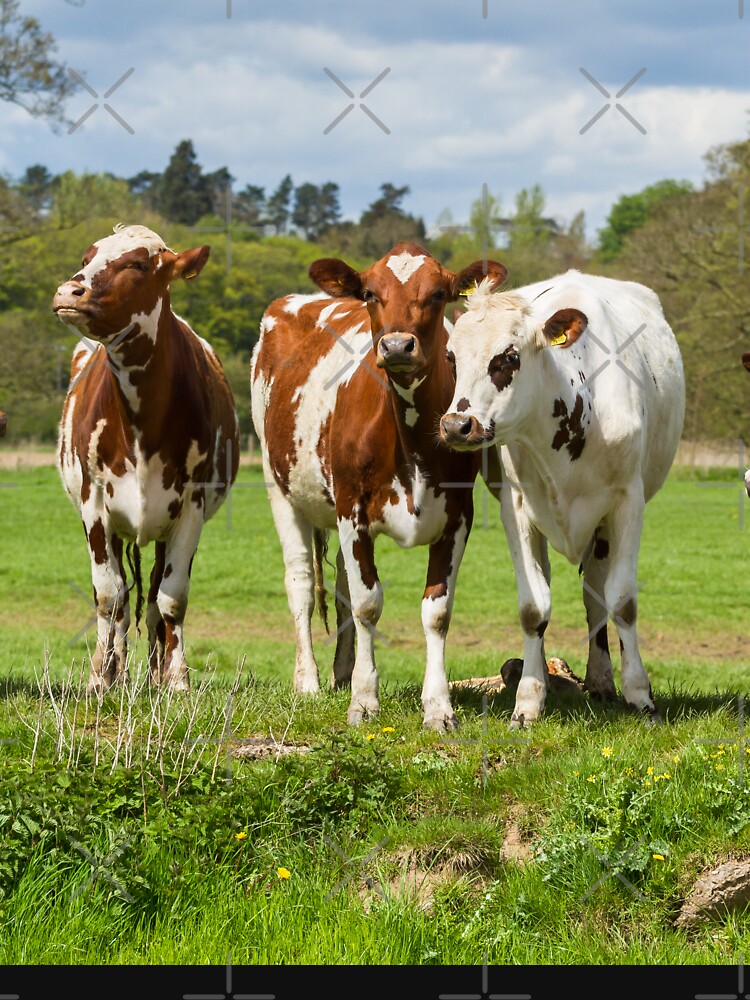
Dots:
pixel 447 95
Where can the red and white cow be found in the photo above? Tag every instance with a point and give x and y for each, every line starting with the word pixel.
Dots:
pixel 578 382
pixel 149 441
pixel 347 390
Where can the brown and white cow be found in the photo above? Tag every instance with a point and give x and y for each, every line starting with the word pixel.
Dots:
pixel 347 390
pixel 149 442
pixel 578 383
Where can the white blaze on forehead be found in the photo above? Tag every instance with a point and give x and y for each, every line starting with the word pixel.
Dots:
pixel 125 239
pixel 404 265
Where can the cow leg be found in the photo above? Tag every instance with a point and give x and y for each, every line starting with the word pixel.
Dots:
pixel 437 606
pixel 367 605
pixel 599 676
pixel 343 660
pixel 109 662
pixel 528 549
pixel 154 620
pixel 296 536
pixel 172 595
pixel 621 595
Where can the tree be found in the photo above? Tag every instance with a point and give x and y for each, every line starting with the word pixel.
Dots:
pixel 278 205
pixel 249 205
pixel 36 188
pixel 384 223
pixel 29 75
pixel 220 184
pixel 185 192
pixel 632 210
pixel 316 209
pixel 76 198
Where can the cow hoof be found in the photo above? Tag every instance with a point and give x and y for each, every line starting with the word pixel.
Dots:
pixel 99 685
pixel 441 722
pixel 356 715
pixel 179 684
pixel 306 685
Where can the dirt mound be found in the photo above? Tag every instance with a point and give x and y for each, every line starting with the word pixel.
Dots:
pixel 716 893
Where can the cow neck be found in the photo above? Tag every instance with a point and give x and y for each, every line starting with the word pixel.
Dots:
pixel 414 408
pixel 141 364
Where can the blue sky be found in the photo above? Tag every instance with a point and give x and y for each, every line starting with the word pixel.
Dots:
pixel 467 99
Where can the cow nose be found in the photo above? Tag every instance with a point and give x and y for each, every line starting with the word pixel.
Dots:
pixel 70 288
pixel 459 429
pixel 397 347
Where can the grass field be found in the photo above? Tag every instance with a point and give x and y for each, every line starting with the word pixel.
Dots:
pixel 386 844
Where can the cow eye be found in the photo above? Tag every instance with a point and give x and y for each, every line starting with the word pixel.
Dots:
pixel 438 296
pixel 369 296
pixel 511 356
pixel 138 265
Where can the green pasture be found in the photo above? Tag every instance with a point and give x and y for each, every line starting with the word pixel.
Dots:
pixel 314 857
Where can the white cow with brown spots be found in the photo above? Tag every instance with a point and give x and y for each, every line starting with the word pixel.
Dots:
pixel 577 382
pixel 149 442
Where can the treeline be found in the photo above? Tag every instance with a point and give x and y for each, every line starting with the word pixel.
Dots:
pixel 686 244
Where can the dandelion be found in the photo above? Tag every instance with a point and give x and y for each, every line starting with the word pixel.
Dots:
pixel 370 736
pixel 658 857
pixel 628 770
pixel 591 778
pixel 719 767
pixel 607 751
pixel 649 770
pixel 240 836
pixel 387 729
pixel 283 873
pixel 666 775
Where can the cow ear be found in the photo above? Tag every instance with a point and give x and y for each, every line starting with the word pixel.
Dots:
pixel 565 327
pixel 189 264
pixel 475 273
pixel 746 360
pixel 336 278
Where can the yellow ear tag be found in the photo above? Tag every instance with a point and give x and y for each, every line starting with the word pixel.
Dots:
pixel 557 341
pixel 193 274
pixel 468 291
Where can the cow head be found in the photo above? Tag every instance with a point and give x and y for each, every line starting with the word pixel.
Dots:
pixel 405 293
pixel 123 280
pixel 496 346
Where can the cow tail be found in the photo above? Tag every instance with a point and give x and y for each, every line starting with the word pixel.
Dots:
pixel 320 550
pixel 133 555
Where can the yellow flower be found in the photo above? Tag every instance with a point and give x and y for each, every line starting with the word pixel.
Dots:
pixel 283 873
pixel 719 767
pixel 658 857
pixel 675 760
pixel 628 770
pixel 666 775
pixel 387 729
pixel 591 778
pixel 576 773
pixel 370 736
pixel 607 751
pixel 649 770
pixel 657 777
pixel 646 782
pixel 240 836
